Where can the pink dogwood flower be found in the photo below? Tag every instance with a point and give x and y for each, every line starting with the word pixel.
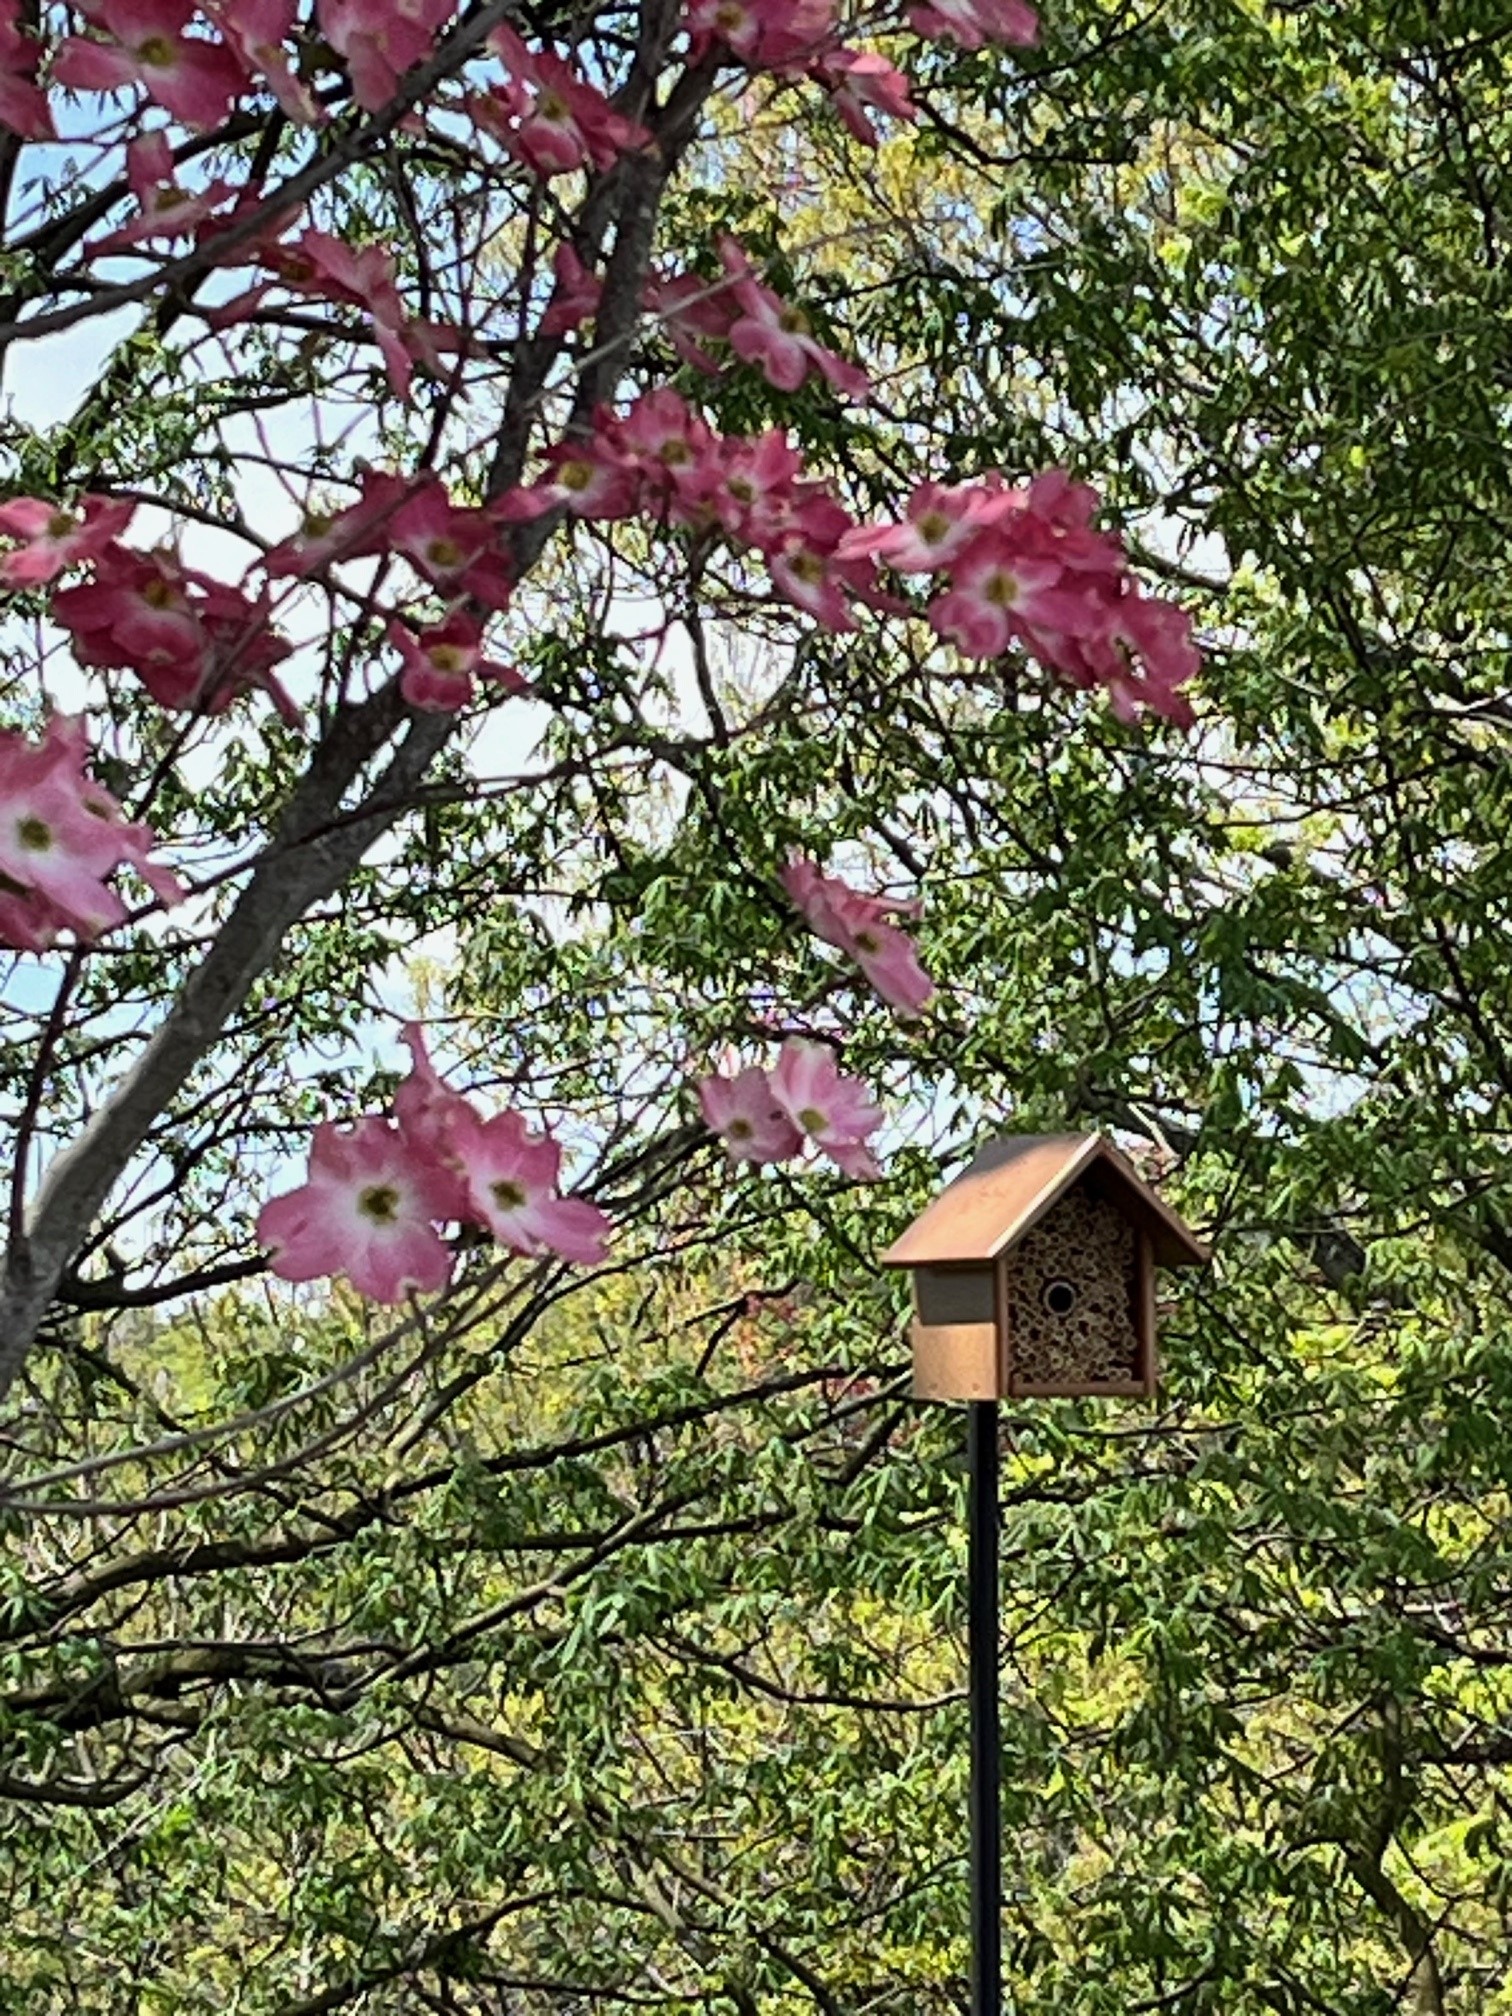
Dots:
pixel 54 537
pixel 24 109
pixel 1140 650
pixel 743 1111
pixel 256 31
pixel 444 663
pixel 808 569
pixel 834 1111
pixel 971 23
pixel 453 547
pixel 575 298
pixel 430 1113
pixel 165 209
pixel 940 521
pixel 865 929
pixel 774 334
pixel 362 277
pixel 589 475
pixel 381 40
pixel 359 531
pixel 861 82
pixel 677 452
pixel 998 590
pixel 781 35
pixel 144 42
pixel 511 1176
pixel 693 312
pixel 366 1210
pixel 194 642
pixel 548 117
pixel 754 495
pixel 61 834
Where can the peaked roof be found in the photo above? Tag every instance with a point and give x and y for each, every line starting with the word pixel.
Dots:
pixel 1010 1186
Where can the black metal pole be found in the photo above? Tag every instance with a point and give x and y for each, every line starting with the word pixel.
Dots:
pixel 986 1759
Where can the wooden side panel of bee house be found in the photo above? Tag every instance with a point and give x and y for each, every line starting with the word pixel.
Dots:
pixel 957 1334
pixel 1079 1301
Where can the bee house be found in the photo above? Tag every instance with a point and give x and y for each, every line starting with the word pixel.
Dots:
pixel 1034 1273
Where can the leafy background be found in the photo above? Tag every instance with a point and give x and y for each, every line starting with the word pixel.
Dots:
pixel 598 1641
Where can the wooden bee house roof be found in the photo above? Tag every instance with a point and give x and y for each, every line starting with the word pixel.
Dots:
pixel 1010 1186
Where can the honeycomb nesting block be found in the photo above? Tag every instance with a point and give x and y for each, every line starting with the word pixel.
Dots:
pixel 1034 1273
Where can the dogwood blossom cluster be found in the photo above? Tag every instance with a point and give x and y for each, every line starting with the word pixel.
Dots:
pixel 804 1101
pixel 61 834
pixel 378 1192
pixel 194 642
pixel 865 928
pixel 549 118
pixel 389 1199
pixel 1023 565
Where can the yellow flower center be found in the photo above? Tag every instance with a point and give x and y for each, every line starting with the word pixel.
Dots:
pixel 34 834
pixel 740 1130
pixel 447 657
pixel 808 567
pixel 811 1120
pixel 380 1202
pixel 1001 590
pixel 61 524
pixel 158 50
pixel 508 1196
pixel 575 475
pixel 933 526
pixel 444 553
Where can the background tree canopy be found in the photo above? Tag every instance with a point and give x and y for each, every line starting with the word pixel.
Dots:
pixel 597 1638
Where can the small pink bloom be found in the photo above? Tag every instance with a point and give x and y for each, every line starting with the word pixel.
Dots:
pixel 745 1115
pixel 327 536
pixel 54 537
pixel 677 452
pixel 782 35
pixel 575 298
pixel 1142 652
pixel 754 496
pixel 834 1111
pixel 256 31
pixel 865 929
pixel 453 547
pixel 362 276
pixel 774 334
pixel 165 209
pixel 381 40
pixel 194 642
pixel 941 521
pixel 692 312
pixel 511 1176
pixel 808 569
pixel 144 42
pixel 547 116
pixel 23 103
pixel 590 475
pixel 998 588
pixel 61 834
pixel 861 82
pixel 443 664
pixel 366 1210
pixel 971 23
pixel 430 1114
